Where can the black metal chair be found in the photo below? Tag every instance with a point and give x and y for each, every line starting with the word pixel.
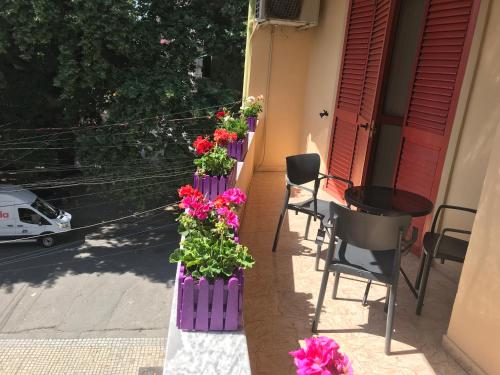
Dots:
pixel 439 245
pixel 370 247
pixel 302 169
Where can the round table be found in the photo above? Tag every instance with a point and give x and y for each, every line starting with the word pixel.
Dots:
pixel 381 200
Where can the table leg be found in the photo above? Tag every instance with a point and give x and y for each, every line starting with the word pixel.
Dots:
pixel 367 290
pixel 410 285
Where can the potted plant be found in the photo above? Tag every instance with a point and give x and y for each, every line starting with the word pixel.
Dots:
pixel 235 148
pixel 216 170
pixel 321 356
pixel 210 281
pixel 250 110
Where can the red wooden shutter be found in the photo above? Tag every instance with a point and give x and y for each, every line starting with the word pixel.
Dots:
pixel 365 49
pixel 438 75
pixel 440 65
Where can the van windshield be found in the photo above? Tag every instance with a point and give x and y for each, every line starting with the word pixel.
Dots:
pixel 45 208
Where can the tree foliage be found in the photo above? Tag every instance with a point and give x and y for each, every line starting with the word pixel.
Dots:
pixel 90 63
pixel 87 62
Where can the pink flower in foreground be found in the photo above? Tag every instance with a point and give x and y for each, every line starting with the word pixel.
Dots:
pixel 229 217
pixel 235 196
pixel 321 356
pixel 195 207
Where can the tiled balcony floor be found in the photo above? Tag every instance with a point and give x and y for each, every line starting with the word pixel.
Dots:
pixel 281 293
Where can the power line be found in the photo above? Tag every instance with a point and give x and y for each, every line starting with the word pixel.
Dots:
pixel 16 256
pixel 147 163
pixel 98 183
pixel 164 115
pixel 19 158
pixel 176 138
pixel 129 172
pixel 93 258
pixel 95 224
pixel 43 252
pixel 172 129
pixel 138 121
pixel 9 123
pixel 142 186
pixel 138 144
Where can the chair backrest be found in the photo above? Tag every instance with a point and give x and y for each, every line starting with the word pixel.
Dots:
pixel 367 231
pixel 302 168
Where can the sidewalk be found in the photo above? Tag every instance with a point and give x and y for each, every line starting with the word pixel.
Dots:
pixel 106 356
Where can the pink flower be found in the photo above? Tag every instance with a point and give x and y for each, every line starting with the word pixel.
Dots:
pixel 195 207
pixel 229 217
pixel 165 42
pixel 321 356
pixel 235 196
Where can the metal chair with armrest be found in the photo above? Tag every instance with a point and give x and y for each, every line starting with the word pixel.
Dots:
pixel 302 169
pixel 440 245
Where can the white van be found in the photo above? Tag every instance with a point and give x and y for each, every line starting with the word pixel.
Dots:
pixel 23 214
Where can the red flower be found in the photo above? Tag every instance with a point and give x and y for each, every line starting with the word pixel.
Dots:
pixel 223 137
pixel 202 145
pixel 189 191
pixel 220 202
pixel 220 115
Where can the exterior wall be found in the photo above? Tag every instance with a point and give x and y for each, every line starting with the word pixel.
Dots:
pixel 475 181
pixel 475 326
pixel 327 41
pixel 279 65
pixel 477 119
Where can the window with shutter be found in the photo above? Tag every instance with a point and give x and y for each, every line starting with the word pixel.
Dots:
pixel 365 49
pixel 438 73
pixel 434 91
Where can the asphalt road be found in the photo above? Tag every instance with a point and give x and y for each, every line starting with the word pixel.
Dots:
pixel 113 281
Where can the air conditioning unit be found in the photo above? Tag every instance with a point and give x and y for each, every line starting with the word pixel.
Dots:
pixel 298 13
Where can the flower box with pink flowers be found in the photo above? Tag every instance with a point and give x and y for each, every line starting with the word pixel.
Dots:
pixel 210 282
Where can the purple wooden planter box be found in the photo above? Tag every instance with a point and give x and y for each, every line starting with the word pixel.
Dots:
pixel 209 306
pixel 238 149
pixel 252 123
pixel 211 186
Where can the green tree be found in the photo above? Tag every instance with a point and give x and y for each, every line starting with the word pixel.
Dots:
pixel 92 62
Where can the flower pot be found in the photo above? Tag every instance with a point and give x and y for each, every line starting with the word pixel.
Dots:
pixel 252 123
pixel 209 306
pixel 238 149
pixel 211 186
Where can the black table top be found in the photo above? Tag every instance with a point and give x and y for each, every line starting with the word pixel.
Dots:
pixel 383 200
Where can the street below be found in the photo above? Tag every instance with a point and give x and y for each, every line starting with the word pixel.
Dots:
pixel 113 281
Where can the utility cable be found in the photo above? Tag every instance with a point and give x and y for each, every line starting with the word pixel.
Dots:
pixel 160 163
pixel 44 252
pixel 113 175
pixel 96 183
pixel 164 115
pixel 171 130
pixel 127 123
pixel 97 193
pixel 93 258
pixel 95 224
